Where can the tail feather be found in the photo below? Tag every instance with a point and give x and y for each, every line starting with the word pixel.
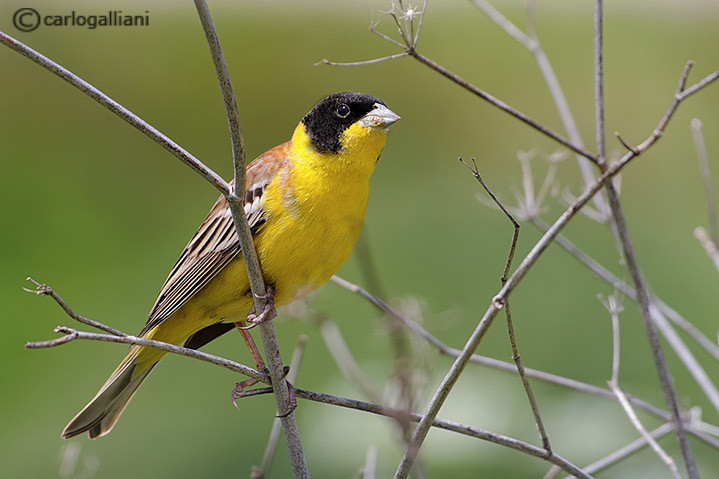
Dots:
pixel 100 415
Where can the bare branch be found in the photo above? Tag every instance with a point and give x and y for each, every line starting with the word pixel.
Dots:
pixel 325 61
pixel 647 437
pixel 507 310
pixel 512 368
pixel 264 470
pixel 498 302
pixel 408 44
pixel 628 450
pixel 72 334
pixel 45 290
pixel 369 469
pixel 262 300
pixel 155 135
pixel 703 157
pixel 601 272
pixel 614 307
pixel 501 105
pixel 531 43
pixel 446 425
pixel 709 246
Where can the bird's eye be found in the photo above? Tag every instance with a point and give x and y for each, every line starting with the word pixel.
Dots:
pixel 343 110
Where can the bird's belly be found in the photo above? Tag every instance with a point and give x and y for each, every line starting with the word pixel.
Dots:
pixel 299 254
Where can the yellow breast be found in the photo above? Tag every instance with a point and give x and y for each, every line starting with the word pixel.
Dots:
pixel 315 210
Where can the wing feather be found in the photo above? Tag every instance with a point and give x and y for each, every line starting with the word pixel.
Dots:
pixel 215 243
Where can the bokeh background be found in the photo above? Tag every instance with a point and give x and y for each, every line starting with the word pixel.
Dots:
pixel 99 212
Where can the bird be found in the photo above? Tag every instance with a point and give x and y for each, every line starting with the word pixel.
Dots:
pixel 305 203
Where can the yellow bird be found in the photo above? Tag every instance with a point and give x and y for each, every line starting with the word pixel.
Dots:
pixel 305 202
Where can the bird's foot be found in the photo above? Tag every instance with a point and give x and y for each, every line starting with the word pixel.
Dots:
pixel 269 312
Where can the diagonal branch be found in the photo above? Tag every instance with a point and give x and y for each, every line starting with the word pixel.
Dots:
pixel 531 43
pixel 408 44
pixel 45 290
pixel 73 334
pixel 511 368
pixel 498 301
pixel 154 134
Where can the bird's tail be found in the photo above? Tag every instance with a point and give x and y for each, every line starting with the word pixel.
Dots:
pixel 100 415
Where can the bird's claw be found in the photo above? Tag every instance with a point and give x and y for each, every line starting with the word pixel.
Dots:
pixel 269 312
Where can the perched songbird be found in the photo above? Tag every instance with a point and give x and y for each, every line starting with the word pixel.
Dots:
pixel 305 202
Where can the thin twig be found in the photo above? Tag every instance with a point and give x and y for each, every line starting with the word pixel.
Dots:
pixel 531 43
pixel 703 157
pixel 446 425
pixel 660 312
pixel 512 368
pixel 643 432
pixel 369 469
pixel 498 301
pixel 397 334
pixel 643 299
pixel 543 436
pixel 45 290
pixel 252 263
pixel 599 80
pixel 325 61
pixel 604 274
pixel 155 135
pixel 614 307
pixel 73 334
pixel 501 105
pixel 451 426
pixel 710 247
pixel 345 361
pixel 408 44
pixel 628 450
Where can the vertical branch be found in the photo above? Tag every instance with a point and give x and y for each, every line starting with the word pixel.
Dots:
pixel 696 126
pixel 614 307
pixel 653 444
pixel 264 470
pixel 599 80
pixel 643 298
pixel 257 284
pixel 531 43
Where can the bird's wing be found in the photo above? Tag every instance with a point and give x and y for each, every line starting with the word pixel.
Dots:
pixel 215 243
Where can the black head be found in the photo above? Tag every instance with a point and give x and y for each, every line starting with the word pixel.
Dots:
pixel 333 115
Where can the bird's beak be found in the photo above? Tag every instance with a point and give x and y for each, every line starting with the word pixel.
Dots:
pixel 380 117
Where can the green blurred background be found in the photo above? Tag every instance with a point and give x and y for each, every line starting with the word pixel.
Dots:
pixel 99 212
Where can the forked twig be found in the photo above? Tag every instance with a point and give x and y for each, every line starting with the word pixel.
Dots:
pixel 604 274
pixel 42 289
pixel 543 436
pixel 408 44
pixel 614 308
pixel 73 334
pixel 531 43
pixel 527 263
pixel 512 368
